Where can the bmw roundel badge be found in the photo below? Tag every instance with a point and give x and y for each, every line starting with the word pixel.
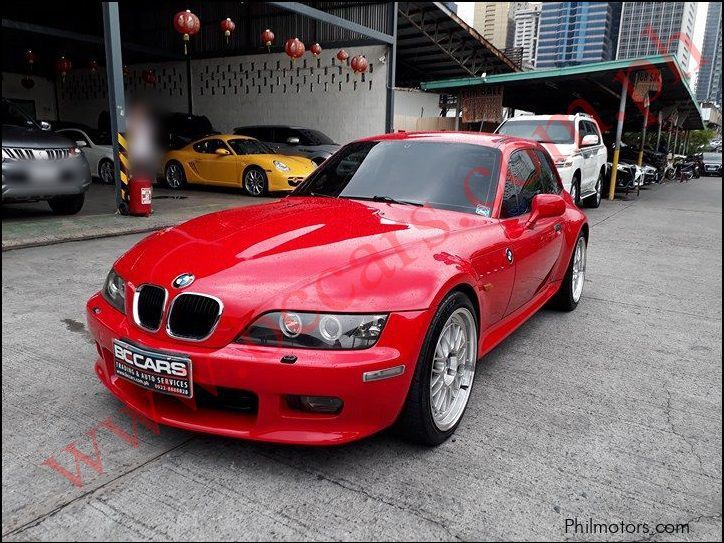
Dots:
pixel 183 280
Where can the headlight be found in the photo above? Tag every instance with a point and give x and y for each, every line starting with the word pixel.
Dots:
pixel 74 152
pixel 563 162
pixel 314 330
pixel 114 291
pixel 279 165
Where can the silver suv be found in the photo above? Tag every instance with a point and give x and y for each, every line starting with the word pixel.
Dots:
pixel 40 165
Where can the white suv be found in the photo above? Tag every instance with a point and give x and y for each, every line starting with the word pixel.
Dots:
pixel 575 143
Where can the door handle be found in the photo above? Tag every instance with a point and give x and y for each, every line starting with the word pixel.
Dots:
pixel 558 227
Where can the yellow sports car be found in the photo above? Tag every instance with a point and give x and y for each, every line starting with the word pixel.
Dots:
pixel 234 161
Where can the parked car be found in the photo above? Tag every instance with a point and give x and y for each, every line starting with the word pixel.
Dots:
pixel 39 165
pixel 363 299
pixel 575 143
pixel 629 177
pixel 97 147
pixel 236 161
pixel 712 163
pixel 292 140
pixel 174 129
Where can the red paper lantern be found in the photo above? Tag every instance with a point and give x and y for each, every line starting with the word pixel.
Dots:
pixel 228 26
pixel 294 48
pixel 359 64
pixel 27 82
pixel 149 77
pixel 188 24
pixel 93 65
pixel 342 55
pixel 31 57
pixel 316 49
pixel 267 37
pixel 62 66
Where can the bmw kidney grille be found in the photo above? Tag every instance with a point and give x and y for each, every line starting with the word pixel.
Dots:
pixel 193 316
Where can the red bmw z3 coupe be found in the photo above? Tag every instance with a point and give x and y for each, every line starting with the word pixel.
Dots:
pixel 361 301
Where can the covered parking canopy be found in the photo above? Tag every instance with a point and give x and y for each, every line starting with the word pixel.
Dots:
pixel 595 89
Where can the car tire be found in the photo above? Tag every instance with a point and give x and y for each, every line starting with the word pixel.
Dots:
pixel 594 200
pixel 569 293
pixel 576 190
pixel 174 176
pixel 255 182
pixel 105 171
pixel 67 205
pixel 419 420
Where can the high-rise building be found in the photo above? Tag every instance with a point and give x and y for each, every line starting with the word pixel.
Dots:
pixel 526 33
pixel 571 33
pixel 496 21
pixel 657 28
pixel 708 86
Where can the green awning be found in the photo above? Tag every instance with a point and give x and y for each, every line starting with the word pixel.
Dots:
pixel 590 88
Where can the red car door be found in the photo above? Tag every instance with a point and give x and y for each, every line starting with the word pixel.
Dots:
pixel 534 251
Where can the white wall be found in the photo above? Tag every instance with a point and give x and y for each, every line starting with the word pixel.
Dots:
pixel 317 93
pixel 415 103
pixel 42 93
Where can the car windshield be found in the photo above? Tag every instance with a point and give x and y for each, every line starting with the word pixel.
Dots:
pixel 314 137
pixel 454 176
pixel 14 117
pixel 712 157
pixel 542 130
pixel 250 147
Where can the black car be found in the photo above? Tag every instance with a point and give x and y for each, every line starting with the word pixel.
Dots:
pixel 712 163
pixel 39 165
pixel 174 129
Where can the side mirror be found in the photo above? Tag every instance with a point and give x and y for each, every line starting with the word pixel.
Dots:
pixel 589 139
pixel 45 125
pixel 81 143
pixel 544 206
pixel 222 152
pixel 293 140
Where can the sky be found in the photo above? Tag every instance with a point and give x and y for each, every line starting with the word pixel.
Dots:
pixel 466 10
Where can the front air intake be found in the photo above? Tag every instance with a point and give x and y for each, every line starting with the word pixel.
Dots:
pixel 193 316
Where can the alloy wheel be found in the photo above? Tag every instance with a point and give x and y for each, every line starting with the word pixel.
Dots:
pixel 106 172
pixel 174 175
pixel 254 182
pixel 453 369
pixel 579 269
pixel 574 193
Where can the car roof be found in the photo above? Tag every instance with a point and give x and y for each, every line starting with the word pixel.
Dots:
pixel 475 138
pixel 557 117
pixel 294 127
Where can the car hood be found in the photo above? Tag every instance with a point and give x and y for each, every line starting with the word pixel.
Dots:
pixel 33 138
pixel 560 150
pixel 306 254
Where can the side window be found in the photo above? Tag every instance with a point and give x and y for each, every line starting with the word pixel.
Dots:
pixel 210 146
pixel 283 134
pixel 593 129
pixel 520 173
pixel 549 182
pixel 266 133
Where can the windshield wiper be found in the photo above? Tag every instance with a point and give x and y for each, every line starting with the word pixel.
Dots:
pixel 386 199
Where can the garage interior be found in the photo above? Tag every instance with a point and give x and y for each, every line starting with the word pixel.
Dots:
pixel 239 80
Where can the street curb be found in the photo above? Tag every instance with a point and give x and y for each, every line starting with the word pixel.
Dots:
pixel 44 243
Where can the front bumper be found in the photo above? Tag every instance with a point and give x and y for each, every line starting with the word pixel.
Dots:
pixel 712 169
pixel 35 180
pixel 368 406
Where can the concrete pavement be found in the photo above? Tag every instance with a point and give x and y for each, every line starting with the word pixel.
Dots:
pixel 611 413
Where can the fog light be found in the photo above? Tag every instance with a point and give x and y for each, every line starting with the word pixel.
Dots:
pixel 315 404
